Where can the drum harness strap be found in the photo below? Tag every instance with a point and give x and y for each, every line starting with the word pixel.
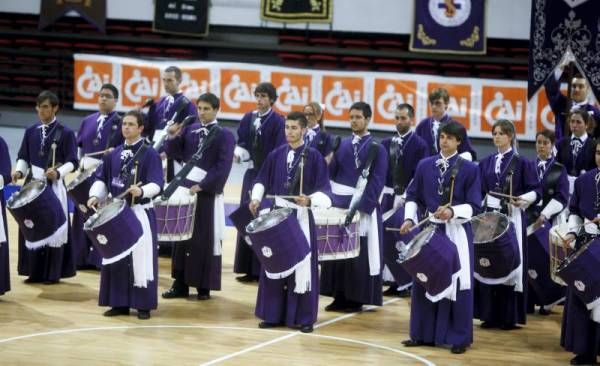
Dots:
pixel 361 184
pixel 256 152
pixel 453 173
pixel 114 130
pixel 179 178
pixel 504 207
pixel 399 176
pixel 135 161
pixel 55 138
pixel 294 184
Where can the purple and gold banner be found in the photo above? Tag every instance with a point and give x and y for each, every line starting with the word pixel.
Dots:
pixel 558 26
pixel 449 26
pixel 297 11
pixel 93 11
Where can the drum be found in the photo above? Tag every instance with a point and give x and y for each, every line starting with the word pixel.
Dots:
pixel 175 216
pixel 496 246
pixel 79 188
pixel 278 241
pixel 539 278
pixel 334 240
pixel 432 259
pixel 557 250
pixel 114 230
pixel 38 212
pixel 394 247
pixel 580 271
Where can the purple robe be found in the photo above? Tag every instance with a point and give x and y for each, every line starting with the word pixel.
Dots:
pixel 502 304
pixel 116 279
pixel 272 135
pixel 402 160
pixel 87 141
pixel 322 141
pixel 193 261
pixel 5 173
pixel 585 159
pixel 579 333
pixel 47 264
pixel 276 300
pixel 161 112
pixel 351 278
pixel 425 130
pixel 558 104
pixel 444 322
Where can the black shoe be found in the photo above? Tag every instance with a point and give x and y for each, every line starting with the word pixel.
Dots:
pixel 174 293
pixel 336 305
pixel 488 325
pixel 414 343
pixel 308 328
pixel 509 327
pixel 143 314
pixel 583 360
pixel 544 311
pixel 267 325
pixel 117 311
pixel 247 278
pixel 457 350
pixel 31 280
pixel 404 293
pixel 51 282
pixel 353 309
pixel 203 294
pixel 391 291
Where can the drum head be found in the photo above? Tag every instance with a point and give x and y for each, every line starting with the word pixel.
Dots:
pixel 414 246
pixel 82 176
pixel 489 226
pixel 26 194
pixel 104 214
pixel 268 220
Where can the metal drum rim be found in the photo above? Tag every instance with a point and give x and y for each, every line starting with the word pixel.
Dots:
pixel 80 178
pixel 427 232
pixel 499 235
pixel 91 223
pixel 14 197
pixel 251 228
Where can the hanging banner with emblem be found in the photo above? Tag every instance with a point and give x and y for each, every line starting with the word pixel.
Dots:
pixel 297 11
pixel 181 17
pixel 559 27
pixel 93 11
pixel 449 26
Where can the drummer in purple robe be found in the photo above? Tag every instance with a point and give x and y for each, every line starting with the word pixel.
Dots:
pixel 316 136
pixel 4 179
pixel 404 150
pixel 552 176
pixel 100 131
pixel 576 151
pixel 580 331
pixel 503 305
pixel 428 128
pixel 197 262
pixel 357 281
pixel 259 133
pixel 45 143
pixel 292 300
pixel 443 186
pixel 132 281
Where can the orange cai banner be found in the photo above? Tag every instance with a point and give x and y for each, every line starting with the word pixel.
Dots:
pixel 294 91
pixel 544 116
pixel 237 90
pixel 503 102
pixel 88 78
pixel 138 84
pixel 459 105
pixel 339 92
pixel 388 94
pixel 195 82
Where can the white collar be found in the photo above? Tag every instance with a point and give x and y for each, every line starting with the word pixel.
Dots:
pixel 504 153
pixel 136 141
pixel 49 124
pixel 582 138
pixel 449 157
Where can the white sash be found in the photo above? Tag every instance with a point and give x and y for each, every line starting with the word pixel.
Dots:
pixel 2 232
pixel 218 224
pixel 143 266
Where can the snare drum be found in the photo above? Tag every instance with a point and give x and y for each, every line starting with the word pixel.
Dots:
pixel 580 271
pixel 557 250
pixel 278 241
pixel 394 247
pixel 496 246
pixel 175 216
pixel 539 278
pixel 334 240
pixel 432 259
pixel 79 188
pixel 114 230
pixel 39 214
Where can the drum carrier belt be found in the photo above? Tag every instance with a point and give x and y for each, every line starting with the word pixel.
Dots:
pixel 114 131
pixel 135 162
pixel 453 173
pixel 399 176
pixel 371 153
pixel 55 137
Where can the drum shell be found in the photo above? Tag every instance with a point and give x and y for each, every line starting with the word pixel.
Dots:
pixel 281 247
pixel 580 272
pixel 498 258
pixel 115 236
pixel 41 217
pixel 241 217
pixel 175 220
pixel 547 291
pixel 334 241
pixel 435 264
pixel 393 245
pixel 80 193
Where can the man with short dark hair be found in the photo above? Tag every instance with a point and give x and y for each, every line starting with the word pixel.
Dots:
pixel 48 151
pixel 259 133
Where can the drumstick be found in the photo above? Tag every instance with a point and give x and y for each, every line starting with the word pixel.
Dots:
pixel 127 191
pixel 273 196
pixel 419 223
pixel 97 153
pixel 301 171
pixel 452 179
pixel 516 198
pixel 135 173
pixel 53 146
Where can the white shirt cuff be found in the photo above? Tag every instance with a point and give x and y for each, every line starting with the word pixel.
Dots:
pixel 22 167
pixel 320 200
pixel 529 197
pixel 65 169
pixel 462 211
pixel 1 182
pixel 150 190
pixel 410 211
pixel 552 208
pixel 241 153
pixel 258 192
pixel 98 190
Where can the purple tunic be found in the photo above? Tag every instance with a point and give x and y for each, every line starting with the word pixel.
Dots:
pixel 161 112
pixel 322 141
pixel 272 136
pixel 425 130
pixel 193 261
pixel 5 173
pixel 584 160
pixel 579 334
pixel 558 104
pixel 351 277
pixel 501 304
pixel 47 264
pixel 403 162
pixel 88 142
pixel 444 321
pixel 116 279
pixel 276 300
